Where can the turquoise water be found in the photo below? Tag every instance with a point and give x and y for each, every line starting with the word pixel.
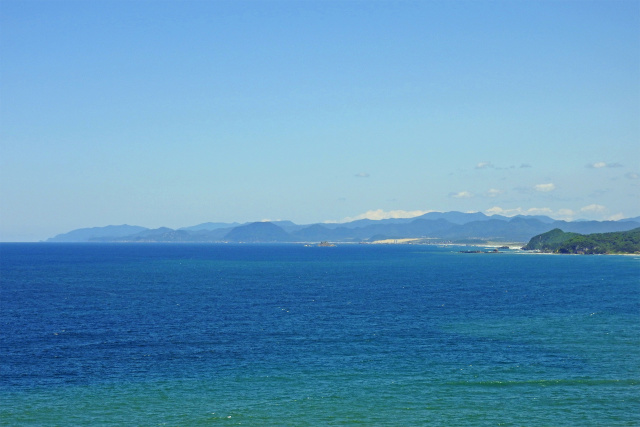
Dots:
pixel 288 335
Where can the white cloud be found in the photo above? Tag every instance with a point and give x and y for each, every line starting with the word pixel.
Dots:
pixel 594 209
pixel 493 192
pixel 461 195
pixel 484 165
pixel 379 214
pixel 539 211
pixel 600 165
pixel 632 175
pixel 362 175
pixel 559 214
pixel 616 217
pixel 525 165
pixel 590 211
pixel 566 213
pixel 497 210
pixel 545 188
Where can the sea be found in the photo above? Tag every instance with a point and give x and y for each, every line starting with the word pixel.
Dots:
pixel 288 335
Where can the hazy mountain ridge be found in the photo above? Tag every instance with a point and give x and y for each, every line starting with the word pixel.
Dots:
pixel 108 232
pixel 450 226
pixel 255 232
pixel 210 226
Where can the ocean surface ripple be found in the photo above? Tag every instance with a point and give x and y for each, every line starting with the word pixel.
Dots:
pixel 155 334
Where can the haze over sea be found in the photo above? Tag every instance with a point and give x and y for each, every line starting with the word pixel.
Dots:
pixel 186 334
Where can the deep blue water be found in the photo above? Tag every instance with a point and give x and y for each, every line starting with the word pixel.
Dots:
pixel 290 335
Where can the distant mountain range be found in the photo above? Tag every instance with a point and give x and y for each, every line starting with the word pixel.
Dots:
pixel 456 227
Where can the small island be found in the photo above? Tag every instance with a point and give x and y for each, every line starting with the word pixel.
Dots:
pixel 559 242
pixel 494 251
pixel 326 244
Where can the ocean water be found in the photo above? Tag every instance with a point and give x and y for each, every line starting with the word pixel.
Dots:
pixel 286 335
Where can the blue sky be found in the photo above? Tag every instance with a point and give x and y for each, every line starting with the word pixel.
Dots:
pixel 174 113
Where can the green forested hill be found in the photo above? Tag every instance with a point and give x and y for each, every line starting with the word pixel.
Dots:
pixel 557 241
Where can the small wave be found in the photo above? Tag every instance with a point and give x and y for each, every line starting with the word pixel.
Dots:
pixel 546 383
